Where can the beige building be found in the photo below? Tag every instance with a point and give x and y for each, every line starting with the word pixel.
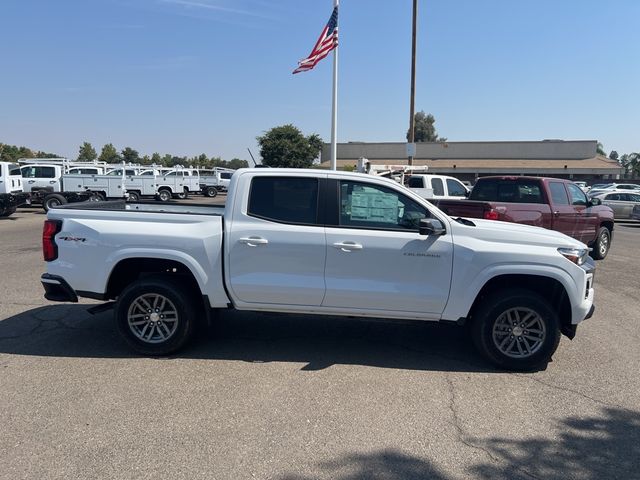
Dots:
pixel 577 160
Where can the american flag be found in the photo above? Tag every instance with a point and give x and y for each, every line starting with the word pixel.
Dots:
pixel 328 41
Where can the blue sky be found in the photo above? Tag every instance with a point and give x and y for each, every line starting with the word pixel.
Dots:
pixel 192 76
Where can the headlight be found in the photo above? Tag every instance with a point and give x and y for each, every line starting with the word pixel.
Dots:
pixel 576 255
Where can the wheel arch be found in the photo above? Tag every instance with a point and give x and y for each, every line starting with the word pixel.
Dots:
pixel 548 288
pixel 128 270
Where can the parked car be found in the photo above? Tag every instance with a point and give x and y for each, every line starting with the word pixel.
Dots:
pixel 553 203
pixel 597 189
pixel 620 201
pixel 318 242
pixel 635 213
pixel 583 186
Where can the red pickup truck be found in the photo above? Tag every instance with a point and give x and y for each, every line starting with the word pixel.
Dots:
pixel 551 203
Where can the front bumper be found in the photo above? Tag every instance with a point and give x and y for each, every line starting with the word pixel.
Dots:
pixel 57 289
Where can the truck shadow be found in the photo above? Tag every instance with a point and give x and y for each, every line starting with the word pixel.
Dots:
pixel 317 342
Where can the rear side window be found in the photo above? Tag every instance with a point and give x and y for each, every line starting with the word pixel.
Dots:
pixel 416 182
pixel 438 186
pixel 47 172
pixel 456 189
pixel 558 193
pixel 284 199
pixel 508 190
pixel 613 196
pixel 633 197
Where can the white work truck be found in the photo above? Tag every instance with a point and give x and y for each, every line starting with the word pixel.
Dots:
pixel 12 194
pixel 318 242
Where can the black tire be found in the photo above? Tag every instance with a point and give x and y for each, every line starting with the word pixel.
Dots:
pixel 182 195
pixel 602 244
pixel 8 212
pixel 164 195
pixel 211 192
pixel 174 316
pixel 96 197
pixel 53 200
pixel 134 196
pixel 516 347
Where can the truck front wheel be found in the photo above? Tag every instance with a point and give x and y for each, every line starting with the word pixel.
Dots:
pixel 516 329
pixel 602 244
pixel 164 195
pixel 155 315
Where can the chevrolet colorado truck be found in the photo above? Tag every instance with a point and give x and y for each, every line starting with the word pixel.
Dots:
pixel 318 242
pixel 552 203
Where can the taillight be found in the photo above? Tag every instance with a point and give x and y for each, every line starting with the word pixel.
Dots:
pixel 491 215
pixel 49 247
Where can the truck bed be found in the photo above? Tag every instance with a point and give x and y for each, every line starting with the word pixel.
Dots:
pixel 148 207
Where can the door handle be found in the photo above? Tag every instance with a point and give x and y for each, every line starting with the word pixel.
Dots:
pixel 348 246
pixel 253 241
pixel 556 213
pixel 32 181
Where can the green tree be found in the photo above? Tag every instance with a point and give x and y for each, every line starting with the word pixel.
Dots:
pixel 631 163
pixel 600 149
pixel 87 153
pixel 237 163
pixel 156 159
pixel 424 128
pixel 286 147
pixel 109 154
pixel 130 155
pixel 613 155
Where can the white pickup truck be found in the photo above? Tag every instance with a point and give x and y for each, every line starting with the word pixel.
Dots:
pixel 318 242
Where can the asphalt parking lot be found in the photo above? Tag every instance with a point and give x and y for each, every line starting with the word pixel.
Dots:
pixel 301 398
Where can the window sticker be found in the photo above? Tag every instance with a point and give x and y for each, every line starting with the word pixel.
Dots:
pixel 374 206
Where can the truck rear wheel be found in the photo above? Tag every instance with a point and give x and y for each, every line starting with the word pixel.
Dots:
pixel 211 192
pixel 155 315
pixel 516 329
pixel 53 200
pixel 602 244
pixel 133 196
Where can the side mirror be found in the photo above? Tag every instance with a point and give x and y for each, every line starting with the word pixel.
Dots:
pixel 431 226
pixel 594 202
pixel 467 193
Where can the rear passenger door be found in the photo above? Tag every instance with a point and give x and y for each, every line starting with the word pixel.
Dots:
pixel 276 243
pixel 564 216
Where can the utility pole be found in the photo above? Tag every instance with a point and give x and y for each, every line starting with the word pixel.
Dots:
pixel 413 83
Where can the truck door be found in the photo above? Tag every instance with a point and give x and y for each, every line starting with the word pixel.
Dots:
pixel 587 223
pixel 41 177
pixel 276 243
pixel 376 259
pixel 563 214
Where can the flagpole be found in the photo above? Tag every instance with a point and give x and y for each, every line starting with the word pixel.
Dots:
pixel 334 112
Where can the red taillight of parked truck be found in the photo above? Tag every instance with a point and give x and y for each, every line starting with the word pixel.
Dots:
pixel 49 247
pixel 491 215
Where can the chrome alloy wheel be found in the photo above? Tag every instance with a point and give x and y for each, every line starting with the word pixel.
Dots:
pixel 519 332
pixel 603 245
pixel 152 318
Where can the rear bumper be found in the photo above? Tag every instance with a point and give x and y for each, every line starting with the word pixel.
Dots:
pixel 57 289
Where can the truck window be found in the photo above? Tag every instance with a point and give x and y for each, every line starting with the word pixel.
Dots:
pixel 438 186
pixel 284 199
pixel 577 196
pixel 28 172
pixel 374 206
pixel 47 172
pixel 508 190
pixel 416 182
pixel 558 193
pixel 456 189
